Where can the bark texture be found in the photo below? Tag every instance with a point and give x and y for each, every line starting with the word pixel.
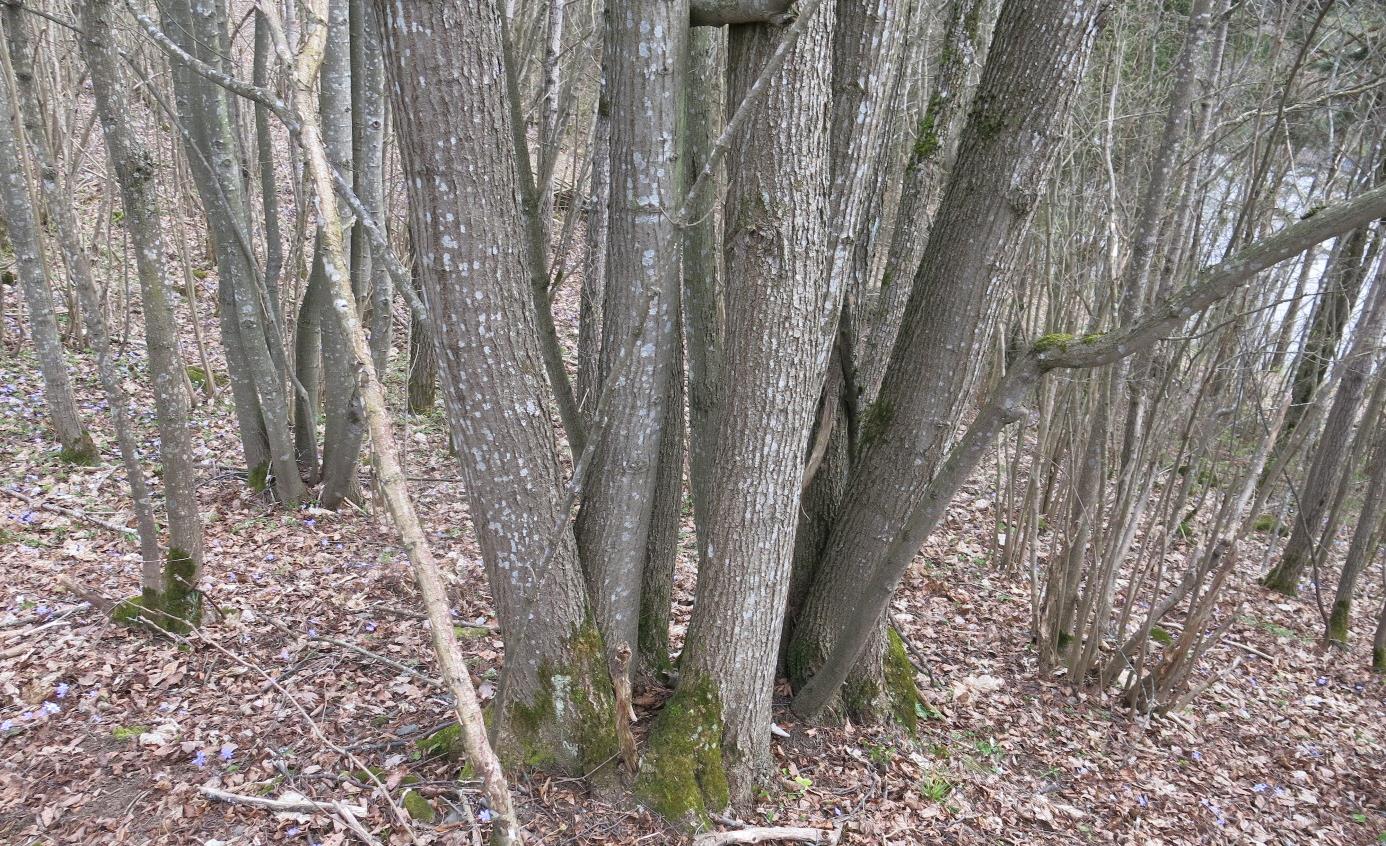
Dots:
pixel 779 315
pixel 77 446
pixel 644 59
pixel 448 92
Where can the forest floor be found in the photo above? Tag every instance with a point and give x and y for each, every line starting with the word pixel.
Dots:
pixel 106 734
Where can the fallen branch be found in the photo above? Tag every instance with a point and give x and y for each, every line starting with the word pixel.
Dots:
pixel 70 512
pixel 300 805
pixel 347 814
pixel 361 650
pixel 764 834
pixel 96 600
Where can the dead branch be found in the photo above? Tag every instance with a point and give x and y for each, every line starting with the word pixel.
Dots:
pixel 765 834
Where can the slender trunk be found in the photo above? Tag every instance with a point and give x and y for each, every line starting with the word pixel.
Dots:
pixel 59 205
pixel 1026 91
pixel 369 279
pixel 423 361
pixel 1328 463
pixel 253 341
pixel 644 57
pixel 1367 533
pixel 704 292
pixel 77 446
pixel 178 599
pixel 342 422
pixel 662 547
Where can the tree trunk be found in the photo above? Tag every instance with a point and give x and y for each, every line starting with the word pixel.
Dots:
pixel 177 601
pixel 644 56
pixel 342 423
pixel 447 82
pixel 1039 53
pixel 1366 535
pixel 711 742
pixel 253 342
pixel 1327 466
pixel 704 290
pixel 77 446
pixel 59 204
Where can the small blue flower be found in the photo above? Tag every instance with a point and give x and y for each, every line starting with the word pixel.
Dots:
pixel 1321 681
pixel 1260 787
pixel 227 751
pixel 1196 755
pixel 51 708
pixel 486 815
pixel 370 625
pixel 61 690
pixel 293 831
pixel 6 725
pixel 200 758
pixel 1143 801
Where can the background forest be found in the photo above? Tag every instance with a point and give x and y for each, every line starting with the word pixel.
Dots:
pixel 713 421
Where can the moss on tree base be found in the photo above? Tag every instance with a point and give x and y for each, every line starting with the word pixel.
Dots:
pixel 1281 581
pixel 683 777
pixel 569 724
pixel 81 454
pixel 889 695
pixel 1379 659
pixel 177 608
pixel 1338 620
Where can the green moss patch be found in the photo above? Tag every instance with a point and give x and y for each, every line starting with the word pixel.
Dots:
pixel 682 776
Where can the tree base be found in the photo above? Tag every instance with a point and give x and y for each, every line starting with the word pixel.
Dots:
pixel 683 777
pixel 1338 620
pixel 1281 581
pixel 569 725
pixel 81 454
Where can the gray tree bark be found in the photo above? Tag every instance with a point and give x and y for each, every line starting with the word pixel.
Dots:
pixel 77 446
pixel 711 742
pixel 448 96
pixel 253 342
pixel 1038 55
pixel 59 204
pixel 343 426
pixel 644 57
pixel 178 602
pixel 1328 465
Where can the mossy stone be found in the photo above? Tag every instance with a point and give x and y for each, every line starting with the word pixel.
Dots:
pixel 417 807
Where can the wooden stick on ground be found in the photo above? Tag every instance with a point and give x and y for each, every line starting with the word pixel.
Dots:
pixel 767 834
pixel 301 805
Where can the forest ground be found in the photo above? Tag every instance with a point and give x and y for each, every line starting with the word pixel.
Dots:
pixel 106 733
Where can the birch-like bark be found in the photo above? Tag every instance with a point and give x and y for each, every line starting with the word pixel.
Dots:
pixel 178 599
pixel 77 446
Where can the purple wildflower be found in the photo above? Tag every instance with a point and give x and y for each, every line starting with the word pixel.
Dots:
pixel 61 690
pixel 200 758
pixel 227 751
